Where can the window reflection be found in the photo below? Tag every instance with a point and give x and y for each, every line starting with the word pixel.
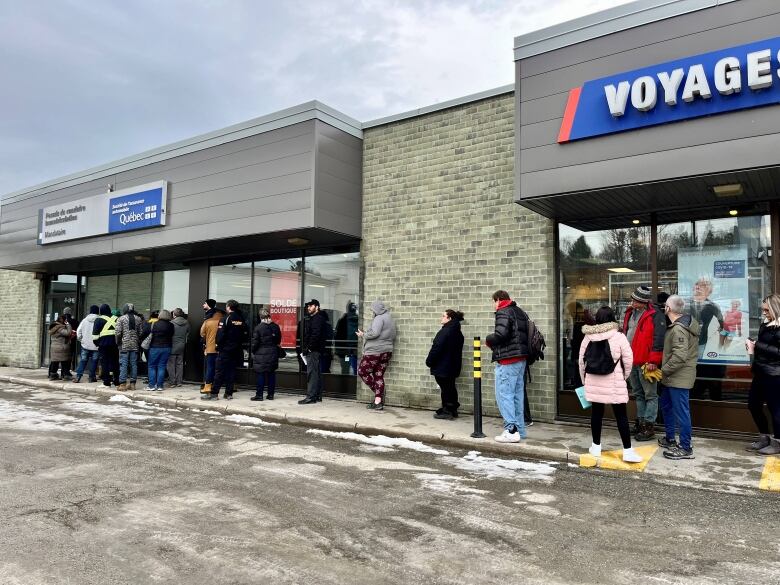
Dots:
pixel 277 287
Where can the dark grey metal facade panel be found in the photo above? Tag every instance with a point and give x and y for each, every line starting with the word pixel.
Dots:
pixel 259 184
pixel 338 181
pixel 701 146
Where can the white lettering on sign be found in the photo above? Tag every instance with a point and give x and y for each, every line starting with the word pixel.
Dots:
pixel 726 74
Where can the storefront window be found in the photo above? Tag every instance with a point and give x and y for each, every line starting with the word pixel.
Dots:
pixel 100 290
pixel 277 287
pixel 170 290
pixel 134 288
pixel 334 280
pixel 596 268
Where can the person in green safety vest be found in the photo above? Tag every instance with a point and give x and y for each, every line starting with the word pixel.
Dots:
pixel 104 336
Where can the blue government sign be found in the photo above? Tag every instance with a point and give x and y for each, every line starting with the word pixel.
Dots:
pixel 713 83
pixel 136 211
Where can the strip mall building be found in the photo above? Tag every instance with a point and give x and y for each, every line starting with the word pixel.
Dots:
pixel 640 145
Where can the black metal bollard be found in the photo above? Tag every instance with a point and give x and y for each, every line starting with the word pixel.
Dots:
pixel 477 434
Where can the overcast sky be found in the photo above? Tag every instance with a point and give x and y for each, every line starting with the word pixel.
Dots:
pixel 88 82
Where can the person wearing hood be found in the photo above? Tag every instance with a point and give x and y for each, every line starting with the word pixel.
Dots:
pixel 608 385
pixel 346 339
pixel 765 387
pixel 316 333
pixel 59 356
pixel 104 336
pixel 208 335
pixel 377 350
pixel 445 359
pixel 128 332
pixel 74 325
pixel 265 354
pixel 678 369
pixel 89 351
pixel 181 332
pixel 159 348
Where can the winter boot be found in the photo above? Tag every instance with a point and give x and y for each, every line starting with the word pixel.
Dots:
pixel 206 389
pixel 77 380
pixel 763 441
pixel 131 386
pixel 631 456
pixel 122 387
pixel 772 449
pixel 647 433
pixel 637 426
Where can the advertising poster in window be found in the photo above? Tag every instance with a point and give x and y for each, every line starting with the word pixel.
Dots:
pixel 714 283
pixel 284 304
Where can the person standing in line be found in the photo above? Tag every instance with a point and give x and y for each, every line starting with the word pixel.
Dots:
pixel 265 354
pixel 445 359
pixel 74 325
pixel 89 351
pixel 104 336
pixel 181 332
pixel 128 332
pixel 377 351
pixel 208 335
pixel 159 349
pixel 59 351
pixel 644 327
pixel 510 345
pixel 607 387
pixel 315 336
pixel 765 387
pixel 232 333
pixel 678 368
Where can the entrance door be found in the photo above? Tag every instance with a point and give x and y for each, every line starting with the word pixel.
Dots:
pixel 61 292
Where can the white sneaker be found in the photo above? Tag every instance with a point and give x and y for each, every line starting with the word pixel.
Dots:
pixel 631 456
pixel 507 437
pixel 149 389
pixel 595 450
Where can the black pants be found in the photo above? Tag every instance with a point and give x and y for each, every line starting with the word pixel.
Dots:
pixel 109 364
pixel 621 416
pixel 765 389
pixel 54 366
pixel 314 375
pixel 227 362
pixel 449 394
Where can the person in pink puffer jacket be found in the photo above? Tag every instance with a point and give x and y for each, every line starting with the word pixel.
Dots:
pixel 608 388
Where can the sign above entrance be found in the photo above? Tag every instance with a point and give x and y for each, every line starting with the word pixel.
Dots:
pixel 125 210
pixel 714 83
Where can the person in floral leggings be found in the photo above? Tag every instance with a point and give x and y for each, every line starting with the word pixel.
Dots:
pixel 377 351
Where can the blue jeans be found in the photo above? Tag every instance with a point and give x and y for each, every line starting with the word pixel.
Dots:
pixel 677 414
pixel 158 360
pixel 510 390
pixel 645 394
pixel 211 364
pixel 87 355
pixel 264 377
pixel 128 358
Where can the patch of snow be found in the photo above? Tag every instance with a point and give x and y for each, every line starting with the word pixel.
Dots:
pixel 20 417
pixel 492 467
pixel 180 437
pixel 380 441
pixel 119 398
pixel 448 484
pixel 539 498
pixel 250 420
pixel 544 510
pixel 375 449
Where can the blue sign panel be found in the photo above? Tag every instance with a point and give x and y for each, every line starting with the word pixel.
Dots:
pixel 729 269
pixel 714 83
pixel 135 211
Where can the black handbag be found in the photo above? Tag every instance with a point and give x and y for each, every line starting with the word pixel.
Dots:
pixel 281 352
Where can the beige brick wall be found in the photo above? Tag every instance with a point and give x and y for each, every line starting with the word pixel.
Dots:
pixel 22 321
pixel 441 230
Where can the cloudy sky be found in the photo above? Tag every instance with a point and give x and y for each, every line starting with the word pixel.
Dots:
pixel 87 82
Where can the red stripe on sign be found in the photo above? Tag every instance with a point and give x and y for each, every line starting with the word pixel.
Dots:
pixel 568 114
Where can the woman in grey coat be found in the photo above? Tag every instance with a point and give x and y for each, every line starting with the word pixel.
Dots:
pixel 377 351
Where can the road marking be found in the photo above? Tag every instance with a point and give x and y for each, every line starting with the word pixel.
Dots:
pixel 614 459
pixel 770 478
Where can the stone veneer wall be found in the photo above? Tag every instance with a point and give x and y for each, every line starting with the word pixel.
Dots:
pixel 441 230
pixel 20 327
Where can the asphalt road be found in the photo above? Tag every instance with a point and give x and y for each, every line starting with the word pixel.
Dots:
pixel 93 491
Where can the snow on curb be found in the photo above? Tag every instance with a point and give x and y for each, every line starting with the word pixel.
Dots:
pixel 250 420
pixel 119 398
pixel 380 441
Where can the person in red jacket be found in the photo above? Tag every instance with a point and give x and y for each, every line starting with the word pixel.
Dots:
pixel 645 328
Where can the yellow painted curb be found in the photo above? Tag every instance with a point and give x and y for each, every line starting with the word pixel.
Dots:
pixel 770 478
pixel 614 459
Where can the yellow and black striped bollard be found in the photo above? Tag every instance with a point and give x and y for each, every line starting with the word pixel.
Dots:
pixel 477 434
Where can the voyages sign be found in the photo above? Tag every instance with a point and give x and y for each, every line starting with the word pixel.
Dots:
pixel 125 210
pixel 714 83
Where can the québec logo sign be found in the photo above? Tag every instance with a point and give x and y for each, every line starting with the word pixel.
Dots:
pixel 714 83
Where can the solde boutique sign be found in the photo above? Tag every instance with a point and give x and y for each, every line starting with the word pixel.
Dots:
pixel 714 83
pixel 124 210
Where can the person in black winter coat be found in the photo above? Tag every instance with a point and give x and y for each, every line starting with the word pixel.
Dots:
pixel 160 349
pixel 232 333
pixel 104 336
pixel 316 333
pixel 765 387
pixel 265 354
pixel 445 360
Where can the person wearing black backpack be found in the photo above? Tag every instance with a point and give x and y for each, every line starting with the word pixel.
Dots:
pixel 605 363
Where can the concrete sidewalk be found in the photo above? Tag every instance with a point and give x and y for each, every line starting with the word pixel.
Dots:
pixel 719 464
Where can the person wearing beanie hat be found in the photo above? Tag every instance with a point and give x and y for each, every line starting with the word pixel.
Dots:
pixel 208 340
pixel 128 333
pixel 104 336
pixel 209 304
pixel 645 328
pixel 88 356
